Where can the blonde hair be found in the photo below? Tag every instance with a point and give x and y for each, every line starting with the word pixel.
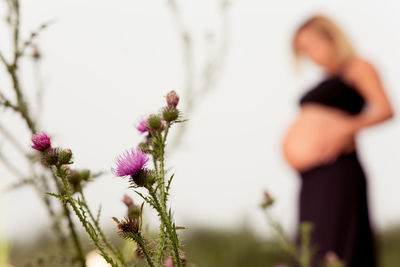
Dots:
pixel 329 29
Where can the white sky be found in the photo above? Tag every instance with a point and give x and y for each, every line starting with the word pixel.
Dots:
pixel 107 63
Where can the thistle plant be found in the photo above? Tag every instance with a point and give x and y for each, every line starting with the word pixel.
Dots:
pixel 156 182
pixel 303 254
pixel 133 163
pixel 70 183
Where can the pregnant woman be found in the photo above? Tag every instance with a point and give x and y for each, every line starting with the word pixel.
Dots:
pixel 320 144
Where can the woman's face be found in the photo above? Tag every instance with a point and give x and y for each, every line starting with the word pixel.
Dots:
pixel 317 47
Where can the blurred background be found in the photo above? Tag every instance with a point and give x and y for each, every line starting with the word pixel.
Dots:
pixel 106 64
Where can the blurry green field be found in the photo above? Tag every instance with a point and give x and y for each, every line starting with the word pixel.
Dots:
pixel 205 248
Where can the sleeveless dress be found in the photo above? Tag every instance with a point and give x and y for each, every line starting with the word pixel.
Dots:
pixel 333 197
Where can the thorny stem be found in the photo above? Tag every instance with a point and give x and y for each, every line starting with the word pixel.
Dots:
pixel 80 256
pixel 303 257
pixel 284 241
pixel 88 227
pixel 115 251
pixel 56 222
pixel 161 245
pixel 140 241
pixel 75 238
pixel 163 194
pixel 166 220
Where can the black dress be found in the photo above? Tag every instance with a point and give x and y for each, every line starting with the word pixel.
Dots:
pixel 333 197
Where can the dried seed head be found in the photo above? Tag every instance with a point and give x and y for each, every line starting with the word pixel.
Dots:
pixel 128 225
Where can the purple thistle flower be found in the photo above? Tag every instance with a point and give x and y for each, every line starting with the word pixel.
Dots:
pixel 142 127
pixel 130 163
pixel 41 141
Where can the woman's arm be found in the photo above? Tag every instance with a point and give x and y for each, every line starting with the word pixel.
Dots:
pixel 378 108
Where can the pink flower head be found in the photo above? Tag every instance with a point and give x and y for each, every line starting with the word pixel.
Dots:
pixel 130 163
pixel 142 127
pixel 41 141
pixel 168 262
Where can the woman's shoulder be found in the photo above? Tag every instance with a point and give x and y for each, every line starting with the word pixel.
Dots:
pixel 357 68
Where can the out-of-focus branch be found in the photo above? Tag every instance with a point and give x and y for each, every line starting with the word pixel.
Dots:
pixel 7 103
pixel 38 180
pixel 12 139
pixel 33 36
pixel 3 59
pixel 211 71
pixel 11 167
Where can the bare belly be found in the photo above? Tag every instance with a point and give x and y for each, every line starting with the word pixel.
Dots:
pixel 302 141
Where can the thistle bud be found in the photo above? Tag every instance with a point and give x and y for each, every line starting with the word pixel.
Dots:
pixel 142 178
pixel 133 210
pixel 127 201
pixel 172 99
pixel 65 156
pixel 155 122
pixel 50 156
pixel 268 200
pixel 170 114
pixel 76 178
pixel 84 174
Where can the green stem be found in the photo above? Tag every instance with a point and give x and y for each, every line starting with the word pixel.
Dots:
pixel 161 245
pixel 53 215
pixel 284 241
pixel 140 241
pixel 88 227
pixel 165 219
pixel 80 256
pixel 115 251
pixel 67 214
